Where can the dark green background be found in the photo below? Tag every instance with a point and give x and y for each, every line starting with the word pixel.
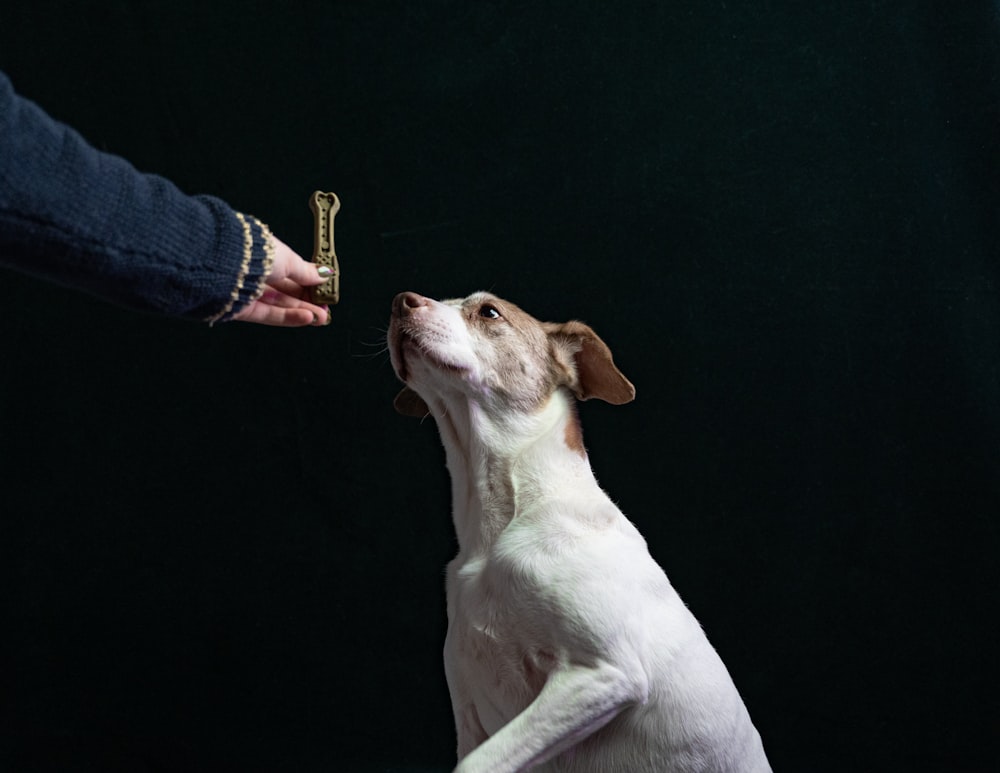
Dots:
pixel 221 549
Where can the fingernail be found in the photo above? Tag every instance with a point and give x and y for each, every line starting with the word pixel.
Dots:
pixel 325 271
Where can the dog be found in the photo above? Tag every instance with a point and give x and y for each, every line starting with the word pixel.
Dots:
pixel 567 648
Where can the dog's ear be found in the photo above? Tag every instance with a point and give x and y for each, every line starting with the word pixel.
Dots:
pixel 409 403
pixel 593 372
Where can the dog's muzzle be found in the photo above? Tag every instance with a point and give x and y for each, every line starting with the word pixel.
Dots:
pixel 403 307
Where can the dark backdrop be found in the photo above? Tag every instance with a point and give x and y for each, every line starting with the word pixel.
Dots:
pixel 221 549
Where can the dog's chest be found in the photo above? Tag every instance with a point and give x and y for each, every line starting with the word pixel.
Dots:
pixel 490 634
pixel 513 612
pixel 496 647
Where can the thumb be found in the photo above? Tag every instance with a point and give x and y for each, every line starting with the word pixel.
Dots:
pixel 289 264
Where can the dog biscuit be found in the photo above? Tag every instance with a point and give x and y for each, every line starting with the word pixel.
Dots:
pixel 324 207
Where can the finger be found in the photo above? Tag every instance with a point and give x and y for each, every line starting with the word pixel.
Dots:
pixel 273 296
pixel 287 287
pixel 277 308
pixel 308 274
pixel 279 316
pixel 289 264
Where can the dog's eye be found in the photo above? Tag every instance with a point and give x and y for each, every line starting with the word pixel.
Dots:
pixel 490 312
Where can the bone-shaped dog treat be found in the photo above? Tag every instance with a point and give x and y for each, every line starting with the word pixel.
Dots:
pixel 324 207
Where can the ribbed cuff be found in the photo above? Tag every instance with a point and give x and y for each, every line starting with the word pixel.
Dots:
pixel 258 260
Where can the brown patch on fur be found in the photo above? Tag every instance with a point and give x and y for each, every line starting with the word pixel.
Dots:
pixel 593 372
pixel 574 432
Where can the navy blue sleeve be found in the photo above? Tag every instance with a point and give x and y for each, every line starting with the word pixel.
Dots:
pixel 86 219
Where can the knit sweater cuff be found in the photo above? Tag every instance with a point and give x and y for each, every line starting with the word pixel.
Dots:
pixel 256 265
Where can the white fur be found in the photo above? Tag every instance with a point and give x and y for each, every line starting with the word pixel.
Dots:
pixel 567 648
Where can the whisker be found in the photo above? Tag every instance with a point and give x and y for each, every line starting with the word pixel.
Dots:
pixel 383 354
pixel 381 344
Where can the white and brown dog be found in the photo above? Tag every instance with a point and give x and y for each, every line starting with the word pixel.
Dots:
pixel 567 647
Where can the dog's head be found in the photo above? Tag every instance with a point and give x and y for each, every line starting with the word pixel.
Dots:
pixel 488 349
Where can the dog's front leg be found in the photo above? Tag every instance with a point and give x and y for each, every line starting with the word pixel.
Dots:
pixel 575 702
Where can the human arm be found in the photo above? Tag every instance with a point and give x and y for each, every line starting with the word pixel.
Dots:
pixel 86 219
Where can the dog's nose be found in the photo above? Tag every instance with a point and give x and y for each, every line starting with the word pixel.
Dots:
pixel 405 303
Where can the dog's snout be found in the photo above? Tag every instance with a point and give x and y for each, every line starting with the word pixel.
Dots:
pixel 405 303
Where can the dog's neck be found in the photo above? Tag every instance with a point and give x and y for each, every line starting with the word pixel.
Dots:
pixel 502 467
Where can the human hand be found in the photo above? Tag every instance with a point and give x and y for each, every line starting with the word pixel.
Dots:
pixel 284 302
